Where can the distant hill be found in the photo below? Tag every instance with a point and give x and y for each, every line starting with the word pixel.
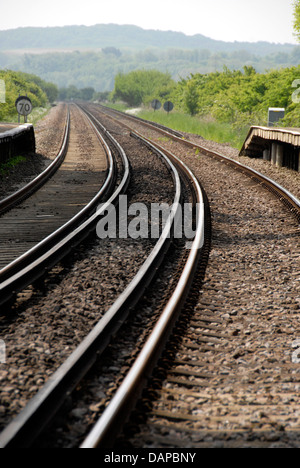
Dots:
pixel 126 36
pixel 92 56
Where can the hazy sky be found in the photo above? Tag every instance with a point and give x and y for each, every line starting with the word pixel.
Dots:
pixel 229 20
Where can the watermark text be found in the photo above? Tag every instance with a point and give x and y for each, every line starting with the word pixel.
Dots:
pixel 296 353
pixel 296 93
pixel 2 92
pixel 139 221
pixel 2 352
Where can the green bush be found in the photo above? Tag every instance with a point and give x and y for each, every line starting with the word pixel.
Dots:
pixel 18 83
pixel 239 98
pixel 141 87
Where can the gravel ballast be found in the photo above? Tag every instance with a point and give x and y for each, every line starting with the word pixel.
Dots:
pixel 48 135
pixel 46 327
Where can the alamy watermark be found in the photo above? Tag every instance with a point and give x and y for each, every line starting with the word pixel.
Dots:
pixel 139 221
pixel 2 352
pixel 2 92
pixel 296 353
pixel 296 93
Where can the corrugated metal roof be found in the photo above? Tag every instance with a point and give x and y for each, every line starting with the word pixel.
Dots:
pixel 259 139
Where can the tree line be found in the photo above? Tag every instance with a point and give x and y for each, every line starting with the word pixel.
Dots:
pixel 39 91
pixel 97 69
pixel 238 97
pixel 141 87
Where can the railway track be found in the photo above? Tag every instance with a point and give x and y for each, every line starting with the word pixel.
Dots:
pixel 177 409
pixel 65 194
pixel 28 189
pixel 172 137
pixel 228 377
pixel 38 411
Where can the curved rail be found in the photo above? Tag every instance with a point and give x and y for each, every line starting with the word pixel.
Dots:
pixel 33 264
pixel 12 200
pixel 156 125
pixel 280 192
pixel 108 426
pixel 42 408
pixel 292 202
pixel 117 411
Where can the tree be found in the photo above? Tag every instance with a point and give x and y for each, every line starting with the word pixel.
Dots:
pixel 297 19
pixel 52 92
pixel 142 86
pixel 192 97
pixel 87 94
pixel 17 83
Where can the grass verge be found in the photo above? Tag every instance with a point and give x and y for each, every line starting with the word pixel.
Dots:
pixel 210 130
pixel 37 114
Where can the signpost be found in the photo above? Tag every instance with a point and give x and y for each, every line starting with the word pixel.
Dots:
pixel 156 104
pixel 168 106
pixel 24 107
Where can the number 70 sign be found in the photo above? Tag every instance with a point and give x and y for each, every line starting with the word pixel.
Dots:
pixel 23 105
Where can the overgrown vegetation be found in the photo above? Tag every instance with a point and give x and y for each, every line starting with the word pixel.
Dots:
pixel 207 128
pixel 240 98
pixel 297 18
pixel 40 92
pixel 141 87
pixel 223 104
pixel 97 69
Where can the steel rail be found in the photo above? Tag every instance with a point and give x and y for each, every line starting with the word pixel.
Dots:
pixel 149 122
pixel 42 408
pixel 33 264
pixel 284 195
pixel 110 423
pixel 292 202
pixel 14 199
